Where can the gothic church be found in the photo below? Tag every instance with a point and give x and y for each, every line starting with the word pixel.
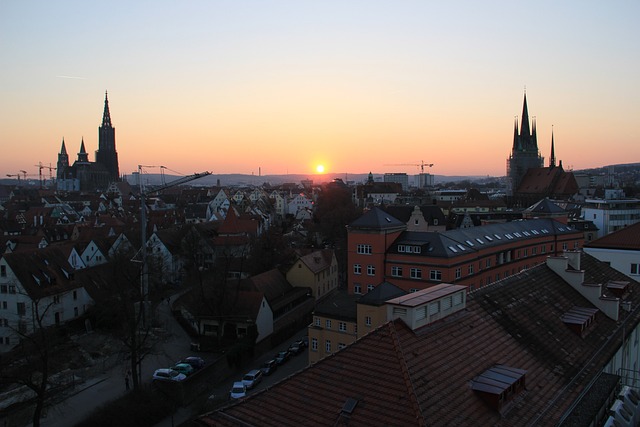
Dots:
pixel 84 175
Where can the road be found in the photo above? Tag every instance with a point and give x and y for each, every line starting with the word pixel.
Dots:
pixel 173 346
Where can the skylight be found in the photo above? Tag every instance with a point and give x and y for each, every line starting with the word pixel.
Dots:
pixel 498 237
pixel 508 236
pixel 517 234
pixel 469 242
pixel 462 248
pixel 489 239
pixel 526 233
pixel 452 249
pixel 479 240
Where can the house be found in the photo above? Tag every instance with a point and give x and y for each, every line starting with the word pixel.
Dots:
pixel 379 248
pixel 299 202
pixel 39 284
pixel 548 346
pixel 317 270
pixel 621 249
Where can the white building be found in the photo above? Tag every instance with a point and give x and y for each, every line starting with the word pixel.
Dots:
pixel 612 213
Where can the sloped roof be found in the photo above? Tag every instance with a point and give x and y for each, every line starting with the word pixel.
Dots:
pixel 403 212
pixel 381 293
pixel 545 206
pixel 338 304
pixel 318 260
pixel 272 283
pixel 377 219
pixel 422 377
pixel 547 181
pixel 626 238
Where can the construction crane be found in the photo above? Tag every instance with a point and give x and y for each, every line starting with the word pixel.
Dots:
pixel 40 166
pixel 422 164
pixel 24 174
pixel 144 285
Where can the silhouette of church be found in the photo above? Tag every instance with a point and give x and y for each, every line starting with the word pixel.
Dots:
pixel 84 175
pixel 528 179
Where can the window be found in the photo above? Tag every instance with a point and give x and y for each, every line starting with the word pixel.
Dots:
pixel 4 305
pixel 342 326
pixel 488 263
pixel 399 311
pixel 526 252
pixel 634 268
pixel 396 271
pixel 317 321
pixel 435 275
pixel 357 269
pixel 534 250
pixel 357 289
pixel 470 269
pixel 56 299
pixel 370 288
pixel 314 344
pixel 22 309
pixel 327 323
pixel 543 249
pixel 75 295
pixel 367 320
pixel 371 270
pixel 327 346
pixel 565 247
pixel 3 289
pixel 364 249
pixel 434 308
pixel 458 273
pixel 416 273
pixel 341 346
pixel 3 271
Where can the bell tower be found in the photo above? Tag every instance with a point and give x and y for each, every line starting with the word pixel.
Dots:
pixel 106 154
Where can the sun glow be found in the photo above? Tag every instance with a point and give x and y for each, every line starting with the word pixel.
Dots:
pixel 320 169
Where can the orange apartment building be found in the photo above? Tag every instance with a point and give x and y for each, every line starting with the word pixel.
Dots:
pixel 381 249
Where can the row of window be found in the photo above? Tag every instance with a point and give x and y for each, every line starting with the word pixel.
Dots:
pixel 371 269
pixel 342 326
pixel 327 345
pixel 357 288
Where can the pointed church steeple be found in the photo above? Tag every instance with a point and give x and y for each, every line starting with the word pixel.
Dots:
pixel 63 150
pixel 552 159
pixel 516 140
pixel 63 162
pixel 106 116
pixel 524 127
pixel 83 157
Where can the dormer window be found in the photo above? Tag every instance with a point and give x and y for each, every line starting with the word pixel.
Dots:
pixel 499 384
pixel 578 319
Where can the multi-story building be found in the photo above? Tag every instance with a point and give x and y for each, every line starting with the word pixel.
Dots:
pixel 399 178
pixel 317 270
pixel 380 249
pixel 334 325
pixel 612 213
pixel 620 249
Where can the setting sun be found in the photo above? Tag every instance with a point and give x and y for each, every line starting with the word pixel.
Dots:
pixel 320 169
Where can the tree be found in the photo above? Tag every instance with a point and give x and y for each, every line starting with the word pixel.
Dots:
pixel 334 210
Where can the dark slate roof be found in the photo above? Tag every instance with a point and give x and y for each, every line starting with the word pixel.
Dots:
pixel 440 244
pixel 381 293
pixel 548 180
pixel 318 260
pixel 338 305
pixel 422 377
pixel 272 283
pixel 377 219
pixel 429 212
pixel 626 238
pixel 545 206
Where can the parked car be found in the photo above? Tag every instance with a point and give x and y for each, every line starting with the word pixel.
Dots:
pixel 268 367
pixel 252 378
pixel 195 361
pixel 295 348
pixel 238 391
pixel 184 368
pixel 304 342
pixel 168 374
pixel 282 357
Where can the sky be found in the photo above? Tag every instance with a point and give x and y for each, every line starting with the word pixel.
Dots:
pixel 277 87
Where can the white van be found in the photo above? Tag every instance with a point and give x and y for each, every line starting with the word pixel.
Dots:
pixel 252 378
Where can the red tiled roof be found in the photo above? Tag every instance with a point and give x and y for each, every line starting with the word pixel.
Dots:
pixel 403 377
pixel 625 238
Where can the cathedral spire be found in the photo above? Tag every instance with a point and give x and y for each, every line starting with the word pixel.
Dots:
pixel 63 150
pixel 515 134
pixel 552 159
pixel 106 116
pixel 83 157
pixel 524 127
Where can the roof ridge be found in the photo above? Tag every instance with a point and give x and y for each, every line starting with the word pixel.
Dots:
pixel 406 372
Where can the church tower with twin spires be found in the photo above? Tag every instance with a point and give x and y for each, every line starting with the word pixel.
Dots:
pixel 524 153
pixel 106 154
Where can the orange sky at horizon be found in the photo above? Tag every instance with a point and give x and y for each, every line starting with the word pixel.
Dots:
pixel 356 87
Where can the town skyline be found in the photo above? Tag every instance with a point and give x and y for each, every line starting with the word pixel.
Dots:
pixel 283 88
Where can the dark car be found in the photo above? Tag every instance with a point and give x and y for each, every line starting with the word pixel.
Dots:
pixel 303 342
pixel 295 349
pixel 195 362
pixel 269 367
pixel 282 357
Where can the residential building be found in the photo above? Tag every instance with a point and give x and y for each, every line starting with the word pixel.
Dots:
pixel 620 249
pixel 317 270
pixel 380 249
pixel 37 285
pixel 543 347
pixel 334 325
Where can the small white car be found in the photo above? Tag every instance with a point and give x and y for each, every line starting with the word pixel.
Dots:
pixel 238 391
pixel 168 374
pixel 252 378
